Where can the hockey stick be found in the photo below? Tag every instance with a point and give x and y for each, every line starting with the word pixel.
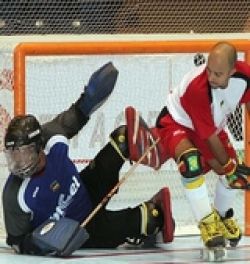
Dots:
pixel 120 182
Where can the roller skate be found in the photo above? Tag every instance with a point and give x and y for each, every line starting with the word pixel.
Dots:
pixel 213 239
pixel 156 217
pixel 230 228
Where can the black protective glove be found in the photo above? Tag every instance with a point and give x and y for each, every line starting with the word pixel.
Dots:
pixel 237 175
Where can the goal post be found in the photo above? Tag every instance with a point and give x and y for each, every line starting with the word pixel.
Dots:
pixel 133 48
pixel 247 161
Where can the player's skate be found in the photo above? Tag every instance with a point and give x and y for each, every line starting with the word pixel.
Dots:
pixel 213 238
pixel 230 228
pixel 156 216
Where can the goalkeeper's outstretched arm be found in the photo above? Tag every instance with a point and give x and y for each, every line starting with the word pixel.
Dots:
pixel 71 121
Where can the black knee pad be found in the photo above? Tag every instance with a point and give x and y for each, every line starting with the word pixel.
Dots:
pixel 190 163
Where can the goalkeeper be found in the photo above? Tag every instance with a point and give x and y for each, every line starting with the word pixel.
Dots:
pixel 45 186
pixel 191 128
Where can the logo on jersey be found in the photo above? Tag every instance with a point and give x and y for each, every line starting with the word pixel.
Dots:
pixel 65 200
pixel 54 186
pixel 178 132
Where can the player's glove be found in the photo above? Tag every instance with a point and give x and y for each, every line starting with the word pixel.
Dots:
pixel 236 175
pixel 100 86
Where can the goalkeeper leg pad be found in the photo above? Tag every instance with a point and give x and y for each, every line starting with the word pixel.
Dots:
pixel 140 137
pixel 62 237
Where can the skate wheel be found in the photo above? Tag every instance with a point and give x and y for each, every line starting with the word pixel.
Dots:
pixel 213 254
pixel 233 243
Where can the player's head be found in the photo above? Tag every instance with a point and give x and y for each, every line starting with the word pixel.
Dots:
pixel 23 143
pixel 221 64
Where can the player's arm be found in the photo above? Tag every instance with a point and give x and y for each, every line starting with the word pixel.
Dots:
pixel 19 234
pixel 20 237
pixel 17 222
pixel 53 237
pixel 67 123
pixel 236 174
pixel 206 130
pixel 96 92
pixel 25 245
pixel 219 152
pixel 200 114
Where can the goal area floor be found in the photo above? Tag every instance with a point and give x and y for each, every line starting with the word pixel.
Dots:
pixel 182 250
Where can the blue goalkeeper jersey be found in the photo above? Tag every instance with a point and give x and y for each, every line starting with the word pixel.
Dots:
pixel 58 191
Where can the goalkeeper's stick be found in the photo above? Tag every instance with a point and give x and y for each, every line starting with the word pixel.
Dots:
pixel 120 182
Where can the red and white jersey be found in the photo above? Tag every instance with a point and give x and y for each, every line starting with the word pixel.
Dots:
pixel 194 104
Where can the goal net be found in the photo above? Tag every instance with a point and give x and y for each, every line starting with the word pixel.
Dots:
pixel 124 16
pixel 50 77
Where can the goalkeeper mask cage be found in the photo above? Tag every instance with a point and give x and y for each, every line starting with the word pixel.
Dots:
pixel 23 142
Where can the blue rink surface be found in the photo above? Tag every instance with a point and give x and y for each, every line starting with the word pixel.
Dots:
pixel 182 250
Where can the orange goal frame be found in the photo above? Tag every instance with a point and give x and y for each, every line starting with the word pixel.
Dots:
pixel 121 47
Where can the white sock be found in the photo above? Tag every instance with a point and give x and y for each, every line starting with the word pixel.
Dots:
pixel 199 201
pixel 224 197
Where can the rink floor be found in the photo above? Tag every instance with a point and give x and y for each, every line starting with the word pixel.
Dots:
pixel 182 250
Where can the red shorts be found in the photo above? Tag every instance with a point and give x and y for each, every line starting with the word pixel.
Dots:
pixel 171 133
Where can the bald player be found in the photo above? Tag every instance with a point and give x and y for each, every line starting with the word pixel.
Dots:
pixel 191 127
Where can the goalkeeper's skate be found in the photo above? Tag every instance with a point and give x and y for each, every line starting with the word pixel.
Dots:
pixel 152 220
pixel 156 216
pixel 140 137
pixel 213 238
pixel 131 140
pixel 230 228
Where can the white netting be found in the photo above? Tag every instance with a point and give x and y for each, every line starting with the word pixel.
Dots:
pixel 123 16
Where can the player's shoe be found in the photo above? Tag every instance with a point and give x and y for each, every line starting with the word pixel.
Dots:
pixel 211 234
pixel 230 228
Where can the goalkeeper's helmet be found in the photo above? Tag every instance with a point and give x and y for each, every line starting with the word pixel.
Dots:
pixel 23 142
